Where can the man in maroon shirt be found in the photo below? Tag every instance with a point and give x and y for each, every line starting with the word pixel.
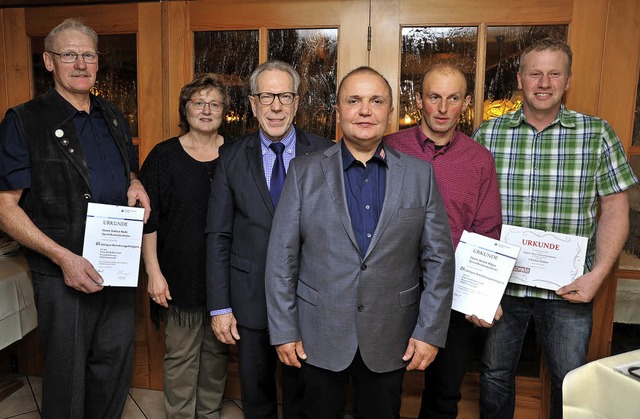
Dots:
pixel 466 177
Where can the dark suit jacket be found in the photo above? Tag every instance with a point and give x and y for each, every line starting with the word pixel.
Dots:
pixel 238 225
pixel 321 290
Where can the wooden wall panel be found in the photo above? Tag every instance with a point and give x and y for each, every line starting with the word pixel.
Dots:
pixel 112 19
pixel 17 55
pixel 177 39
pixel 586 37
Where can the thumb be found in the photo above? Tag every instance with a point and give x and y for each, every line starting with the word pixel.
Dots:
pixel 408 354
pixel 300 350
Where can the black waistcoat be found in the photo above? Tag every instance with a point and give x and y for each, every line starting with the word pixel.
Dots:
pixel 60 188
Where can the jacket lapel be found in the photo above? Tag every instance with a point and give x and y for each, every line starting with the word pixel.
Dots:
pixel 254 159
pixel 395 175
pixel 333 174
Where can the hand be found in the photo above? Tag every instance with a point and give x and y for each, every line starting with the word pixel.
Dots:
pixel 225 327
pixel 158 289
pixel 80 274
pixel 481 323
pixel 137 195
pixel 290 353
pixel 421 354
pixel 583 289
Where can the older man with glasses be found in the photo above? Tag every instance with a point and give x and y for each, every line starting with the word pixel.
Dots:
pixel 58 152
pixel 244 193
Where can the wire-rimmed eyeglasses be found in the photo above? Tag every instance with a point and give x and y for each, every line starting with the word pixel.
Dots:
pixel 199 105
pixel 266 99
pixel 71 56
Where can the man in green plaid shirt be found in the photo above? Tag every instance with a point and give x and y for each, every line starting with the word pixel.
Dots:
pixel 554 165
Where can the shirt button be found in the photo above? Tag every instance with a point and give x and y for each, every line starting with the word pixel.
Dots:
pixel 369 235
pixel 363 267
pixel 367 180
pixel 86 196
pixel 367 206
pixel 360 307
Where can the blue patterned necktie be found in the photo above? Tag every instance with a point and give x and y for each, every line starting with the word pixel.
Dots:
pixel 278 173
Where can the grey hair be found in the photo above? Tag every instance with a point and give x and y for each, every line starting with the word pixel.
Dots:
pixel 274 65
pixel 69 24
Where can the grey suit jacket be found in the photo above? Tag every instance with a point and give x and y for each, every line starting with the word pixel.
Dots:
pixel 321 290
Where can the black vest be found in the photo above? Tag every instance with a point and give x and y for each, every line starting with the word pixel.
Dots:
pixel 60 188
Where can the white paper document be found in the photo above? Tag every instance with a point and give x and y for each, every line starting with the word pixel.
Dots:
pixel 483 268
pixel 113 242
pixel 547 260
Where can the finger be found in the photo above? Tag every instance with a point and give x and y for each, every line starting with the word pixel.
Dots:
pixel 234 332
pixel 300 351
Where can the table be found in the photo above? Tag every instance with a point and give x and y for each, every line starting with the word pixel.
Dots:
pixel 18 315
pixel 598 391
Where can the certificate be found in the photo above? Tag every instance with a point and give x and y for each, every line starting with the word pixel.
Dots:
pixel 113 242
pixel 483 268
pixel 547 260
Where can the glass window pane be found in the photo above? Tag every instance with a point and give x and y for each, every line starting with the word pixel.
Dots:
pixel 232 55
pixel 423 47
pixel 314 54
pixel 504 45
pixel 117 76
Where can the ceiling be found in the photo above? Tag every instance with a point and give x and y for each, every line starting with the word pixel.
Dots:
pixel 40 3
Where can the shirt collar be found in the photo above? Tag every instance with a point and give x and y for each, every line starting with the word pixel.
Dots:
pixel 380 156
pixel 564 116
pixel 288 141
pixel 70 109
pixel 425 141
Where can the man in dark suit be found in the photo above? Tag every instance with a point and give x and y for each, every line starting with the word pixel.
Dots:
pixel 356 227
pixel 244 193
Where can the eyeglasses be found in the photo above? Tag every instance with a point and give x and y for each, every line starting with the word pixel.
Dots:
pixel 285 98
pixel 71 57
pixel 199 105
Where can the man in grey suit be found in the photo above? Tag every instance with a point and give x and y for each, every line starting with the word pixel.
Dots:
pixel 243 198
pixel 356 226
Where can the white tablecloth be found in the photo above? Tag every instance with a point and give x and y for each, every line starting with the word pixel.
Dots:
pixel 598 391
pixel 18 314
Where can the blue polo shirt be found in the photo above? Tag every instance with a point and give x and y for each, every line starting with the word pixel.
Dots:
pixel 365 189
pixel 109 182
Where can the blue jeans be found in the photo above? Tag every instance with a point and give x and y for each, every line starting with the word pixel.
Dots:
pixel 563 329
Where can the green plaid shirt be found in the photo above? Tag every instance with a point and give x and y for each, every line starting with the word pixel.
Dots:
pixel 551 180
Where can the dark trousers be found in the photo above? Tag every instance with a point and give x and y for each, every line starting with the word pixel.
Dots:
pixel 443 377
pixel 257 361
pixel 87 342
pixel 377 394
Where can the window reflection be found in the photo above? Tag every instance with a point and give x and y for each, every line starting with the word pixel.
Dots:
pixel 116 79
pixel 314 54
pixel 504 46
pixel 232 55
pixel 425 46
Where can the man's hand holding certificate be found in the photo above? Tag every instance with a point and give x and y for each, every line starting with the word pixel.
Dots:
pixel 547 260
pixel 112 242
pixel 483 268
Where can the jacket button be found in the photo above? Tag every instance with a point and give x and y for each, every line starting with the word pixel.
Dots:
pixel 360 307
pixel 87 196
pixel 65 141
pixel 71 150
pixel 363 267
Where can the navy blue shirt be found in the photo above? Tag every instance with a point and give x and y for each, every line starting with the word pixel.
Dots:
pixel 109 182
pixel 365 189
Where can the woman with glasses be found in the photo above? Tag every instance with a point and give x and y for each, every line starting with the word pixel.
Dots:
pixel 177 174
